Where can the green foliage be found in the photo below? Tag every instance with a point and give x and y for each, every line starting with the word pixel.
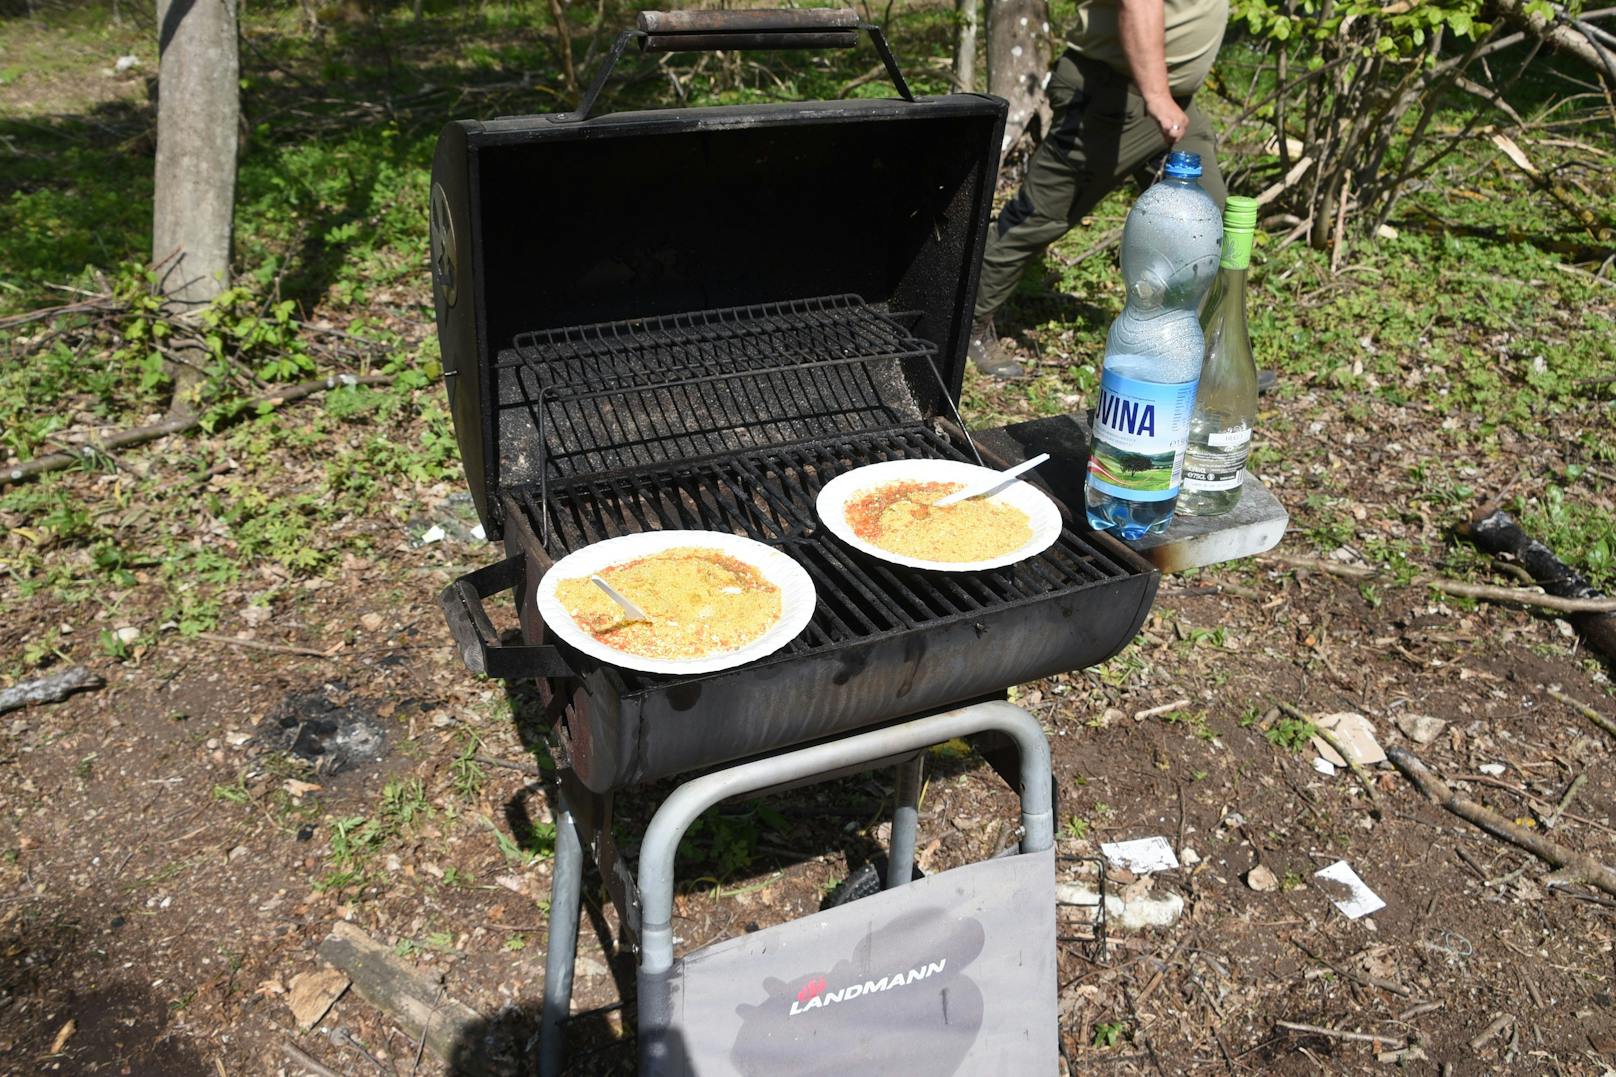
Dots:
pixel 1109 1033
pixel 1578 530
pixel 1397 30
pixel 724 842
pixel 1291 734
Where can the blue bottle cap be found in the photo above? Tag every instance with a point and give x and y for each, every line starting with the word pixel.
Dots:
pixel 1181 165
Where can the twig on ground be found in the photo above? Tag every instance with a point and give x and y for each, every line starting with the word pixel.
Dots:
pixel 1165 708
pixel 1363 978
pixel 522 768
pixel 1417 1009
pixel 1499 1023
pixel 1565 801
pixel 1576 865
pixel 178 424
pixel 1459 588
pixel 1586 711
pixel 1391 1042
pixel 52 688
pixel 1538 803
pixel 304 1059
pixel 1333 741
pixel 274 648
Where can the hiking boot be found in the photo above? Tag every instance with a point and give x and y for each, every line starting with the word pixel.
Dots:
pixel 989 355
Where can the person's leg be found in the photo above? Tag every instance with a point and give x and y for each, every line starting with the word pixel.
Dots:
pixel 1037 215
pixel 1203 140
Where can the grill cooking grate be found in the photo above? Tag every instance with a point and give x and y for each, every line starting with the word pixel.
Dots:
pixel 618 395
pixel 769 495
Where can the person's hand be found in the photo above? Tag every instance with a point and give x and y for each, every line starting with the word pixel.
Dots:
pixel 1169 117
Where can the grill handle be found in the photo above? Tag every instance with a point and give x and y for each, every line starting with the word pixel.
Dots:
pixel 478 640
pixel 694 31
pixel 700 31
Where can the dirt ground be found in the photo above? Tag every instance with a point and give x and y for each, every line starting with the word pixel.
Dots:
pixel 164 852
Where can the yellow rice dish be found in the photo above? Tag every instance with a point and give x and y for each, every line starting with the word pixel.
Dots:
pixel 900 518
pixel 700 603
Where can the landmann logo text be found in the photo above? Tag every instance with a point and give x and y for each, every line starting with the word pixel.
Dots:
pixel 813 994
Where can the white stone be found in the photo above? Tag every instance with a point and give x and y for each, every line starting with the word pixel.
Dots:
pixel 1420 728
pixel 1151 910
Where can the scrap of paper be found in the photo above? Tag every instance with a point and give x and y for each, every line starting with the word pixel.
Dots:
pixel 1141 855
pixel 1347 892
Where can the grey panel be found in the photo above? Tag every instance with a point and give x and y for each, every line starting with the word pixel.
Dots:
pixel 952 974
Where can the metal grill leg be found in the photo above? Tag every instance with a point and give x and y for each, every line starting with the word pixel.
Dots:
pixel 905 820
pixel 561 943
pixel 659 1040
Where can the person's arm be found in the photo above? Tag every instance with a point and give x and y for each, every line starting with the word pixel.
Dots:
pixel 1142 26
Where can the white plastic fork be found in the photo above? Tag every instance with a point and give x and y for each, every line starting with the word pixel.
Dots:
pixel 989 485
pixel 634 612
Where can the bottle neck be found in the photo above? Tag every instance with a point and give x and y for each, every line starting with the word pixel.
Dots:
pixel 1234 287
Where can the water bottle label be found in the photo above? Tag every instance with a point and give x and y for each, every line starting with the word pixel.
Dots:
pixel 1140 431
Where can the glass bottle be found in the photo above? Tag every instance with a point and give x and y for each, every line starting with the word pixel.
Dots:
pixel 1226 400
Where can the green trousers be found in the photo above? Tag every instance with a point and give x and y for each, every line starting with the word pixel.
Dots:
pixel 1100 136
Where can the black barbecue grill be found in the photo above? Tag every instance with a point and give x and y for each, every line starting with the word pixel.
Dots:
pixel 695 318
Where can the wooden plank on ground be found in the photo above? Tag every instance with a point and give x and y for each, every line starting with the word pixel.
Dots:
pixel 419 1004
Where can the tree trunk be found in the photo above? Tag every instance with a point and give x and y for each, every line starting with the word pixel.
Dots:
pixel 1018 61
pixel 965 45
pixel 198 110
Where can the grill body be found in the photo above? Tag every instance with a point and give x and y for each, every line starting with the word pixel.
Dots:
pixel 885 642
pixel 695 319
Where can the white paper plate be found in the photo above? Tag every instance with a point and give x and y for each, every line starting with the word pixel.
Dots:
pixel 843 489
pixel 796 596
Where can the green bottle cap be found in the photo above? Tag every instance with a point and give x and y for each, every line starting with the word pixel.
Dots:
pixel 1239 224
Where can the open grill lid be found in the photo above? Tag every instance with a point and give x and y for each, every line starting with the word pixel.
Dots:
pixel 553 236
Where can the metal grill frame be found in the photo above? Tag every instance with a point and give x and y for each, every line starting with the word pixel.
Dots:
pixel 706 385
pixel 769 496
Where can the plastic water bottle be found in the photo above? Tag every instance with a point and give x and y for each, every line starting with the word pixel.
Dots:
pixel 1170 247
pixel 1226 402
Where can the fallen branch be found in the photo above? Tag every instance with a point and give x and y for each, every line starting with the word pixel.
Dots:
pixel 178 424
pixel 1566 199
pixel 1292 178
pixel 1533 801
pixel 1459 588
pixel 1560 36
pixel 1586 711
pixel 1391 1042
pixel 57 312
pixel 1577 865
pixel 1497 532
pixel 1360 977
pixel 274 648
pixel 303 1058
pixel 49 689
